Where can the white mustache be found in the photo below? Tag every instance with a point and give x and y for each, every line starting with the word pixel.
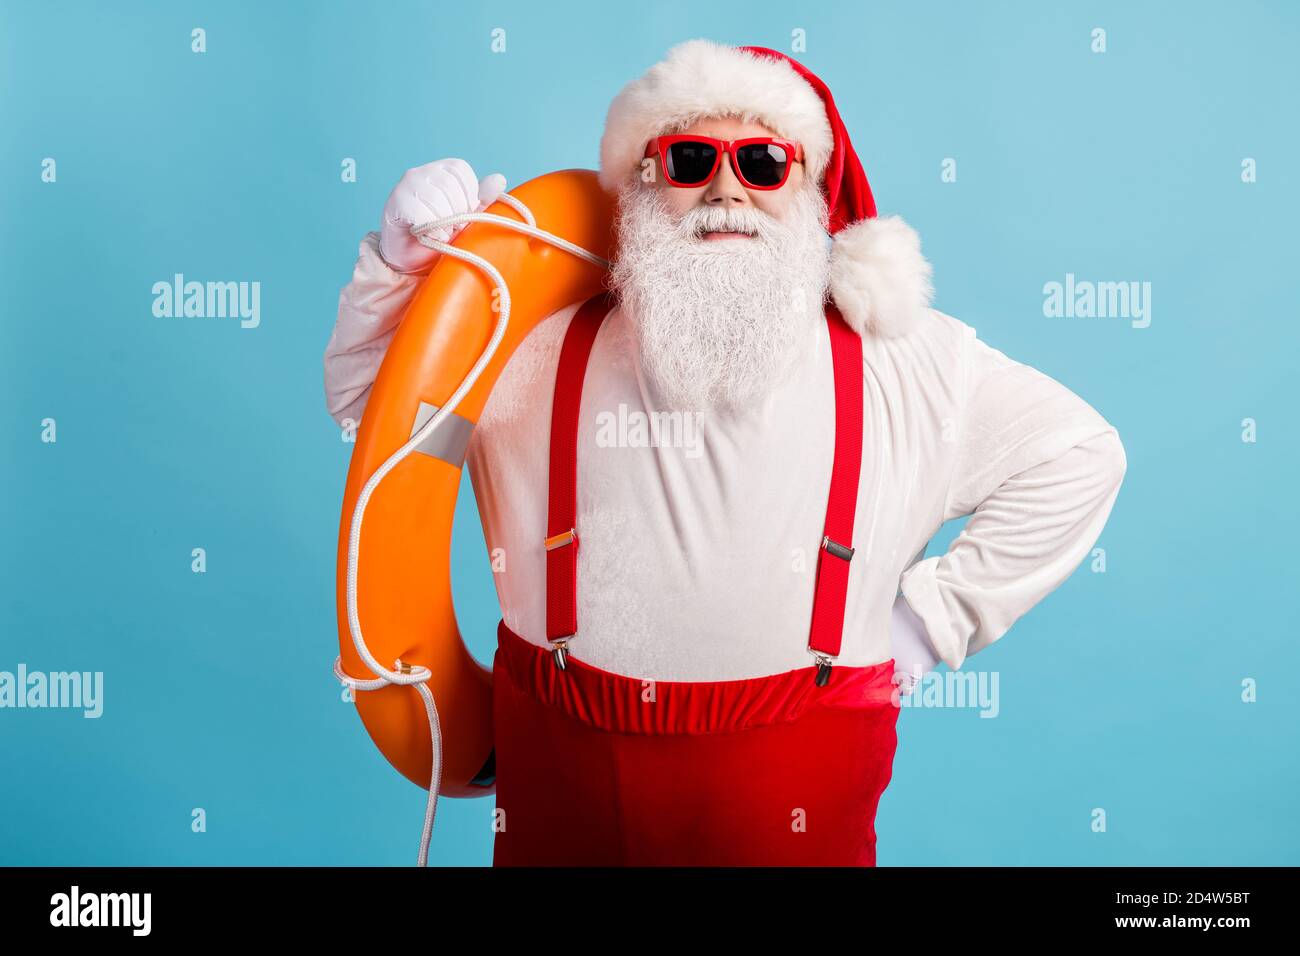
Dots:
pixel 746 219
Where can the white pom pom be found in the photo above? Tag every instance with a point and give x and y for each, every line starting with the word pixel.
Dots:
pixel 879 279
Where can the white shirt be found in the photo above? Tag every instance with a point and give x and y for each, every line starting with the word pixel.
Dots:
pixel 697 557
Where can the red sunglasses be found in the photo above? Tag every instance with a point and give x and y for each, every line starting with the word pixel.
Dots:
pixel 760 162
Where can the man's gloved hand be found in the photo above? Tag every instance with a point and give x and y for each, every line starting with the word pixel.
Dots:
pixel 444 187
pixel 913 655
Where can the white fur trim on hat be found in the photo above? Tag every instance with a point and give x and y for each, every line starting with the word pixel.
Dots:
pixel 699 79
pixel 879 279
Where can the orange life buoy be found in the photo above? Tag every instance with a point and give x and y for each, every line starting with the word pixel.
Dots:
pixel 403 573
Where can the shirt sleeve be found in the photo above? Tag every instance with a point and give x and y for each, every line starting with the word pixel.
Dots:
pixel 1038 470
pixel 371 306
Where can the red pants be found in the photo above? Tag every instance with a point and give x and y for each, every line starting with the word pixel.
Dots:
pixel 597 769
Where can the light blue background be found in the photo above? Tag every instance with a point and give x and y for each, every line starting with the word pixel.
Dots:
pixel 1120 691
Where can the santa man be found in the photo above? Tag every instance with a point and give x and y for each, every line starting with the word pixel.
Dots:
pixel 765 422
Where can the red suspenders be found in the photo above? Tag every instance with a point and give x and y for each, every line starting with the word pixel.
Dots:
pixel 561 538
pixel 836 545
pixel 837 541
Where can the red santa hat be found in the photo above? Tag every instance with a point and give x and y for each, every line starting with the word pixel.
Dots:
pixel 878 278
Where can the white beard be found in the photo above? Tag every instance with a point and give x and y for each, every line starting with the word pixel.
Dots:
pixel 719 324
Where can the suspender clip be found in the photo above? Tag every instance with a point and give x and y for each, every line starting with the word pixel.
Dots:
pixel 559 653
pixel 823 669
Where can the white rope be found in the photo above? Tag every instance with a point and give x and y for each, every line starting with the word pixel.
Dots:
pixel 415 675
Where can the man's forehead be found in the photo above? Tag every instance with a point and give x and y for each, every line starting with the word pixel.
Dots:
pixel 728 126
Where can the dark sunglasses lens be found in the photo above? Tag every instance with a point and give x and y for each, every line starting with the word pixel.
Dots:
pixel 763 164
pixel 690 162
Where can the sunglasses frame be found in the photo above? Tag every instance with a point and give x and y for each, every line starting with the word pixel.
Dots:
pixel 659 147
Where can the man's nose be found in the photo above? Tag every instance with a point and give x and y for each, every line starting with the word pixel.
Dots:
pixel 725 189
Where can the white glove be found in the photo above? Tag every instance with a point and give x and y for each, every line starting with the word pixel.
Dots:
pixel 913 655
pixel 444 187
